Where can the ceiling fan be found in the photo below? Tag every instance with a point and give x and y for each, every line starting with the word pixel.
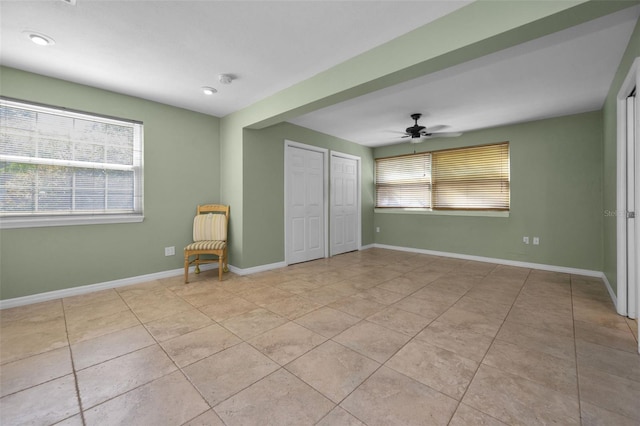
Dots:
pixel 417 132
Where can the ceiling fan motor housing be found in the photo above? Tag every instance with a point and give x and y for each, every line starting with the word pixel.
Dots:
pixel 415 130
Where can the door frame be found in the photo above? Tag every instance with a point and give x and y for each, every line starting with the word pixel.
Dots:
pixel 325 193
pixel 631 81
pixel 358 201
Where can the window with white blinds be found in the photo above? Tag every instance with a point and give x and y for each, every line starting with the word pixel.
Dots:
pixel 404 181
pixel 474 178
pixel 56 163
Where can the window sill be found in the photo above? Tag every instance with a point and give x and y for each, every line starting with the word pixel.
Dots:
pixel 429 212
pixel 44 221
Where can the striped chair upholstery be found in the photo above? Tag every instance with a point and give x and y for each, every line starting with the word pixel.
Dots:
pixel 210 227
pixel 209 238
pixel 207 245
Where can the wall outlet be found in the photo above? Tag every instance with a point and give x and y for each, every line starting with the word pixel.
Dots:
pixel 525 240
pixel 536 241
pixel 377 229
pixel 170 251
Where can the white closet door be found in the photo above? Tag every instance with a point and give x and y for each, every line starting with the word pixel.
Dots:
pixel 305 209
pixel 345 217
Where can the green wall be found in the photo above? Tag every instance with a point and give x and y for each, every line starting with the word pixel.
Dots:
pixel 264 188
pixel 231 183
pixel 610 158
pixel 180 145
pixel 472 31
pixel 181 170
pixel 556 194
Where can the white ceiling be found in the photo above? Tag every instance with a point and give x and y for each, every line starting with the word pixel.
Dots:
pixel 564 73
pixel 166 50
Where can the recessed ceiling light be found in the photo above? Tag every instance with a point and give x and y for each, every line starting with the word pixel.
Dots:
pixel 208 90
pixel 40 39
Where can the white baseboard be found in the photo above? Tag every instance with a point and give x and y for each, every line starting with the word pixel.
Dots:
pixel 75 291
pixel 256 269
pixel 540 266
pixel 90 288
pixel 612 294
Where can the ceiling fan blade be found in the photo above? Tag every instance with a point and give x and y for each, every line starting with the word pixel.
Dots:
pixel 444 135
pixel 437 128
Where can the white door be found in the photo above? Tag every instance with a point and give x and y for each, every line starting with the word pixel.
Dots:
pixel 305 206
pixel 632 176
pixel 635 260
pixel 345 214
pixel 628 196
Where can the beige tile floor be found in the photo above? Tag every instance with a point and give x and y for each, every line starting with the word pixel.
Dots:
pixel 376 337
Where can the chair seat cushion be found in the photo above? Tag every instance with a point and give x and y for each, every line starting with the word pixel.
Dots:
pixel 207 245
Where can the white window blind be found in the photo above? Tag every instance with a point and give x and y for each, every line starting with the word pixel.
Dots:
pixel 474 178
pixel 55 162
pixel 404 181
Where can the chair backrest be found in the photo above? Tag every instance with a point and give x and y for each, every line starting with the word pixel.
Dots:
pixel 210 223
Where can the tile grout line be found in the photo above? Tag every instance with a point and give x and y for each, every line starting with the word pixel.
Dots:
pixel 181 369
pixel 73 365
pixel 575 351
pixel 490 345
pixel 383 364
pixel 212 408
pixel 575 339
pixel 119 356
pixel 178 368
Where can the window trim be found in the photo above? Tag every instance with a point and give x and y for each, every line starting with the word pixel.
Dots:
pixel 430 212
pixel 35 220
pixel 16 222
pixel 444 211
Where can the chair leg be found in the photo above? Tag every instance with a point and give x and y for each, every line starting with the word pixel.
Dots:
pixel 220 267
pixel 226 260
pixel 197 270
pixel 186 268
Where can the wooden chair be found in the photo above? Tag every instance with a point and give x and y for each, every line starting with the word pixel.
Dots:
pixel 209 238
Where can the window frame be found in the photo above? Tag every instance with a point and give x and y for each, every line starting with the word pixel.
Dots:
pixel 449 211
pixel 50 218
